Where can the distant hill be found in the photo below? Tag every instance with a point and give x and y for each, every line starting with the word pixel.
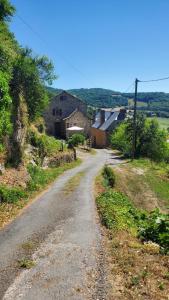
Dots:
pixel 98 97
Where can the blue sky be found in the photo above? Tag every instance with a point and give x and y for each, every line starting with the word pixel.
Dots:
pixel 99 43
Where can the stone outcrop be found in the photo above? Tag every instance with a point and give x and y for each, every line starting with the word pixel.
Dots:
pixel 20 129
pixel 59 159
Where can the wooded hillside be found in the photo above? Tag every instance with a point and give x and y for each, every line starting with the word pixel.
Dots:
pixel 98 97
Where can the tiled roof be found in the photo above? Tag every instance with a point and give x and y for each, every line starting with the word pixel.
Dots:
pixel 109 121
pixel 68 115
pixel 111 115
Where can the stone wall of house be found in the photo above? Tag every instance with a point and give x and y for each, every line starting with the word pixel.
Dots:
pixel 61 107
pixel 80 120
pixel 99 138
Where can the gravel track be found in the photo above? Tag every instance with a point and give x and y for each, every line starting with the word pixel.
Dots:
pixel 64 241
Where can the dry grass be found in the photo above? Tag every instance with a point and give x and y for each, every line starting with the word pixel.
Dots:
pixel 99 188
pixel 73 183
pixel 135 270
pixel 29 246
pixel 133 182
pixel 9 211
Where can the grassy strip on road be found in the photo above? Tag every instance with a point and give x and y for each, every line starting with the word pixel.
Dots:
pixel 73 183
pixel 15 199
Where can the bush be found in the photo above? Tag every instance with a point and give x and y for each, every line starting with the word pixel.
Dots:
pixel 109 176
pixel 120 141
pixel 11 195
pixel 76 139
pixel 117 212
pixel 2 148
pixel 39 177
pixel 47 146
pixel 151 141
pixel 156 228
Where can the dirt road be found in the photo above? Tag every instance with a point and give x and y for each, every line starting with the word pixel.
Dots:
pixel 60 233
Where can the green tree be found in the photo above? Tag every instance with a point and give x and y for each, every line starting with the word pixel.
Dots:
pixel 151 141
pixel 5 104
pixel 29 96
pixel 30 75
pixel 76 139
pixel 23 77
pixel 121 140
pixel 6 10
pixel 8 52
pixel 154 143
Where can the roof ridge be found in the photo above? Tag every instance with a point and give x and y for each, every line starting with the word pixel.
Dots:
pixel 75 110
pixel 74 96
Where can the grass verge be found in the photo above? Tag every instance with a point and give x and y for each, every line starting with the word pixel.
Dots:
pixel 146 183
pixel 14 199
pixel 157 177
pixel 138 268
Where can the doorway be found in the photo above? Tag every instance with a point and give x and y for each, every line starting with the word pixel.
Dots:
pixel 58 132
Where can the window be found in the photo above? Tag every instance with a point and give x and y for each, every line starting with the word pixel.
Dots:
pixel 75 124
pixel 58 112
pixel 53 111
pixel 67 125
pixel 62 98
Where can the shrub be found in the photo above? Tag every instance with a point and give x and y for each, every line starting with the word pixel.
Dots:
pixel 11 195
pixel 39 177
pixel 2 148
pixel 120 141
pixel 151 141
pixel 156 228
pixel 109 176
pixel 76 139
pixel 47 146
pixel 117 212
pixel 39 123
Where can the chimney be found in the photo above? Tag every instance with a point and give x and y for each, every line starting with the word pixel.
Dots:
pixel 122 114
pixel 102 116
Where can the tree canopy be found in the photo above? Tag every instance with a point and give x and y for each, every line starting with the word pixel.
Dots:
pixel 23 80
pixel 151 141
pixel 6 10
pixel 30 74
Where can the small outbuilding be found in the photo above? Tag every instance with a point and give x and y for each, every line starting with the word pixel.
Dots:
pixel 106 121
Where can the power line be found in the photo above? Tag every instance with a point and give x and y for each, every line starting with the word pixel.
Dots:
pixel 130 87
pixel 152 80
pixel 61 56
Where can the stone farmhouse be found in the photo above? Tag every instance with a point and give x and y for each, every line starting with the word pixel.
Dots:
pixel 106 121
pixel 63 112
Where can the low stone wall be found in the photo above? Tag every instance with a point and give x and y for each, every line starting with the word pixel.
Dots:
pixel 59 159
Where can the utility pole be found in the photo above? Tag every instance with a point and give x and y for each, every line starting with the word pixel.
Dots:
pixel 134 120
